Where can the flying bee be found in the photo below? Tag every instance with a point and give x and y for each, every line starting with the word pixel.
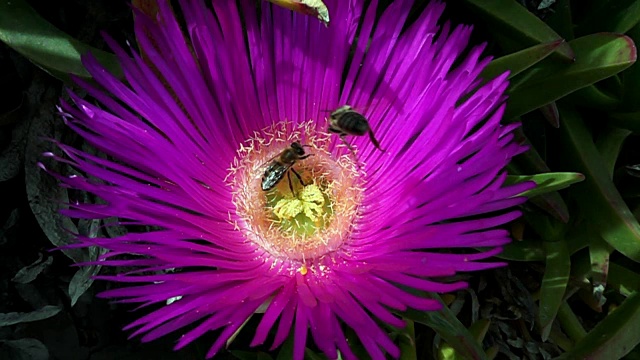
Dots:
pixel 281 164
pixel 346 121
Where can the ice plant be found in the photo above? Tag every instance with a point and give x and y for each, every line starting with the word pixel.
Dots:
pixel 216 99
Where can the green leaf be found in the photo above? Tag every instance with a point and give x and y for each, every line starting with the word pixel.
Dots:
pixel 43 191
pixel 554 284
pixel 570 323
pixel 598 197
pixel 622 279
pixel 447 325
pixel 616 16
pixel 531 162
pixel 407 341
pixel 36 39
pixel 560 19
pixel 29 273
pixel 592 97
pixel 524 250
pixel 598 56
pixel 609 143
pixel 519 61
pixel 546 183
pixel 23 349
pixel 311 355
pixel 613 337
pixel 509 18
pixel 13 318
pixel 626 120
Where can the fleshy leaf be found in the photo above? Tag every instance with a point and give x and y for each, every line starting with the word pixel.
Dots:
pixel 23 349
pixel 407 341
pixel 524 250
pixel 13 318
pixel 616 16
pixel 626 120
pixel 622 279
pixel 519 61
pixel 598 56
pixel 531 162
pixel 28 273
pixel 83 278
pixel 520 24
pixel 598 197
pixel 613 337
pixel 554 284
pixel 25 31
pixel 445 323
pixel 609 143
pixel 43 192
pixel 546 183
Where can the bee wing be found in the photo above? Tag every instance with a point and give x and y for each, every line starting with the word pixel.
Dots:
pixel 273 174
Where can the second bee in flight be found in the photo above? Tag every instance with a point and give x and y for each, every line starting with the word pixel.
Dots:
pixel 342 121
pixel 346 121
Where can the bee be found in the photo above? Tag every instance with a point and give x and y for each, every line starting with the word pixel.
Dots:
pixel 346 121
pixel 281 164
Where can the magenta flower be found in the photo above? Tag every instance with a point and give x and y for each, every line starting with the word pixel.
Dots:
pixel 189 138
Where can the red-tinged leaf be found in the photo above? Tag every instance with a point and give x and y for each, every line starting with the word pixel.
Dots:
pixel 597 197
pixel 599 252
pixel 613 337
pixel 598 56
pixel 147 7
pixel 514 21
pixel 631 79
pixel 550 113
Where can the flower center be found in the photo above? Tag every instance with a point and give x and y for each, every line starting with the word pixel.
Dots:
pixel 311 197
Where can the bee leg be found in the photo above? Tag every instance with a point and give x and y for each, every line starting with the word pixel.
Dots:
pixel 344 141
pixel 374 141
pixel 353 153
pixel 298 176
pixel 290 184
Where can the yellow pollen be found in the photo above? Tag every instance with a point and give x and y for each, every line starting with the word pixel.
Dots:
pixel 303 270
pixel 308 221
pixel 309 202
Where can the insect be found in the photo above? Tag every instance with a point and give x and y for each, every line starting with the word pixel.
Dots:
pixel 346 121
pixel 281 164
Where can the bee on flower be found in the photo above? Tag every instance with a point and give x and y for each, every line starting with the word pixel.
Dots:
pixel 190 129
